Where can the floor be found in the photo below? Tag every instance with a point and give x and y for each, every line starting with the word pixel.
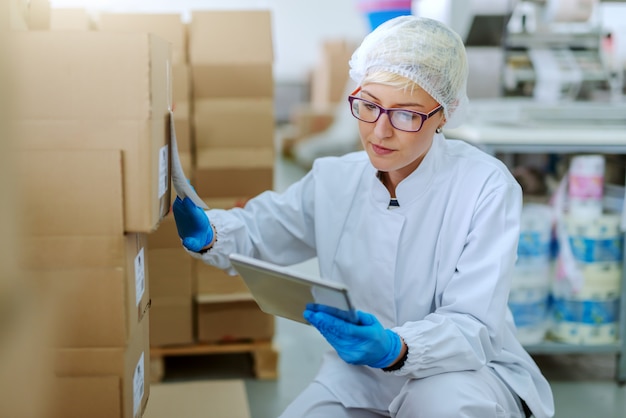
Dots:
pixel 583 385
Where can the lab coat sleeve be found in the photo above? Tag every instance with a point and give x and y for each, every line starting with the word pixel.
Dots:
pixel 274 227
pixel 465 331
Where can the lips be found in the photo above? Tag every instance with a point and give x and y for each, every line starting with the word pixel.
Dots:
pixel 378 150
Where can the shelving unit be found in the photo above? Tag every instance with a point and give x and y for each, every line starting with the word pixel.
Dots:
pixel 487 130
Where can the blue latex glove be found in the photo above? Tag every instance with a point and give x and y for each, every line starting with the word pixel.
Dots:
pixel 193 224
pixel 366 343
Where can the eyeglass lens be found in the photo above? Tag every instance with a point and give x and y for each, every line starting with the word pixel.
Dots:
pixel 400 119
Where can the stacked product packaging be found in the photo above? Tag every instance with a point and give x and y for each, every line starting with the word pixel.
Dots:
pixel 587 286
pixel 567 280
pixel 91 117
pixel 530 287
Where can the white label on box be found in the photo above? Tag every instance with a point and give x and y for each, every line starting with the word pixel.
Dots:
pixel 138 379
pixel 163 170
pixel 140 276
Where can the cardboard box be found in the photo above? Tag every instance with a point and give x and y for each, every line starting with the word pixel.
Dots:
pixel 213 281
pixel 166 26
pixel 234 123
pixel 171 273
pixel 226 202
pixel 70 19
pixel 100 307
pixel 171 321
pixel 330 75
pixel 234 172
pixel 224 62
pixel 222 397
pixel 238 80
pixel 104 382
pixel 92 90
pixel 306 120
pixel 181 85
pixel 166 235
pixel 233 321
pixel 208 31
pixel 18 14
pixel 71 193
pixel 182 123
pixel 39 14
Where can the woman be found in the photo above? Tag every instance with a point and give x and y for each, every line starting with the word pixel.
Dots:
pixel 423 230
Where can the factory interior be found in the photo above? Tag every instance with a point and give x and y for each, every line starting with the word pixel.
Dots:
pixel 113 112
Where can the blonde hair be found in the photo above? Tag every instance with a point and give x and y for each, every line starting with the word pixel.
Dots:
pixel 392 80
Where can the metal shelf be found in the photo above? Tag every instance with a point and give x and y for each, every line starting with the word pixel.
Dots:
pixel 548 142
pixel 553 347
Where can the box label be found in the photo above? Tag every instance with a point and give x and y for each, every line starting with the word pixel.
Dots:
pixel 140 276
pixel 163 170
pixel 138 379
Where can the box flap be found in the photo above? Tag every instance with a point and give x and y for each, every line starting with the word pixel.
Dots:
pixel 168 26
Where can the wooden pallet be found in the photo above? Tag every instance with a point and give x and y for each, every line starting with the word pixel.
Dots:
pixel 264 355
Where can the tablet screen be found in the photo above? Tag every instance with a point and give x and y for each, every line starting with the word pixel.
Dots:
pixel 283 292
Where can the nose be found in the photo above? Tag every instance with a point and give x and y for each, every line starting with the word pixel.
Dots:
pixel 383 128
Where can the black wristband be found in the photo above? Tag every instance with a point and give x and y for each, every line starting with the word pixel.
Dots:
pixel 398 364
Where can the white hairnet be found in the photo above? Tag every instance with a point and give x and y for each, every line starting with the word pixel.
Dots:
pixel 422 50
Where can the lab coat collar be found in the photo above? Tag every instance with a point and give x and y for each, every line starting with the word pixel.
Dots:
pixel 412 187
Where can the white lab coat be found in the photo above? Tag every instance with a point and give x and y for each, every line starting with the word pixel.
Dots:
pixel 436 270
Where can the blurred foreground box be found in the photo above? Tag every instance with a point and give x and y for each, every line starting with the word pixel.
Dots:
pixel 103 382
pixel 100 91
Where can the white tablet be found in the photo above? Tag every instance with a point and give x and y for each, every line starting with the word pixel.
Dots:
pixel 284 292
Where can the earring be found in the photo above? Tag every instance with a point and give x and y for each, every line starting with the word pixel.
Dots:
pixel 438 130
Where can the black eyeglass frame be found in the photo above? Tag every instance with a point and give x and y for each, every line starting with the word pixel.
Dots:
pixel 424 116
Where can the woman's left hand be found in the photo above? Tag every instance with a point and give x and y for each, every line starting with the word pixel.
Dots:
pixel 366 343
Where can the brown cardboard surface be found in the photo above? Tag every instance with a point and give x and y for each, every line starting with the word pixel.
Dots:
pixel 100 378
pixel 241 80
pixel 171 321
pixel 234 123
pixel 234 172
pixel 166 26
pixel 166 235
pixel 101 307
pixel 70 19
pixel 330 75
pixel 170 273
pixel 182 123
pixel 39 14
pixel 211 280
pixel 18 14
pixel 226 202
pixel 60 74
pixel 223 398
pixel 225 37
pixel 181 84
pixel 93 397
pixel 77 192
pixel 231 321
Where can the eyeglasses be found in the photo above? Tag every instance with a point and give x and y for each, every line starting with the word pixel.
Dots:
pixel 401 119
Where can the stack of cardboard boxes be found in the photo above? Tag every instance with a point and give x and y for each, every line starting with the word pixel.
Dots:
pixel 231 61
pixel 91 114
pixel 26 369
pixel 170 28
pixel 171 293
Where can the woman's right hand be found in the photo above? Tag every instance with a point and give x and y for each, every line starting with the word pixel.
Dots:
pixel 194 228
